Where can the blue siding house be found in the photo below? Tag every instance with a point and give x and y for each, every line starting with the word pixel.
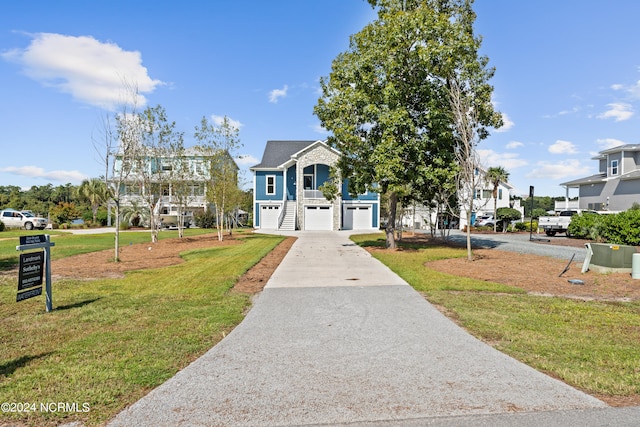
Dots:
pixel 286 193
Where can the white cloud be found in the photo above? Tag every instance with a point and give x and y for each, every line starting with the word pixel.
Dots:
pixel 490 158
pixel 246 160
pixel 317 128
pixel 38 172
pixel 563 147
pixel 507 124
pixel 634 90
pixel 619 111
pixel 92 72
pixel 276 94
pixel 514 144
pixel 558 170
pixel 567 112
pixel 607 143
pixel 219 119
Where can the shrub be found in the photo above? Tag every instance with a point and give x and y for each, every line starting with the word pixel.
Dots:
pixel 585 226
pixel 521 226
pixel 622 228
pixel 205 220
pixel 64 212
pixel 1 226
pixel 124 225
pixel 506 215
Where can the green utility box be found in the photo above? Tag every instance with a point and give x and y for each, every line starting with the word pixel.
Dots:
pixel 609 258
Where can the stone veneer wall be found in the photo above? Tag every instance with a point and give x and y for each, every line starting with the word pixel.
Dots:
pixel 318 155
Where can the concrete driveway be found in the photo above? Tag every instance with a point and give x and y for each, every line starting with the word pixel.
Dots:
pixel 336 338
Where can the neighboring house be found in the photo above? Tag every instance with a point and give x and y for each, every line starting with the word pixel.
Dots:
pixel 616 187
pixel 176 181
pixel 286 193
pixel 483 201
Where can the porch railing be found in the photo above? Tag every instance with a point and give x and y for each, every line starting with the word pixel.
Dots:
pixel 313 194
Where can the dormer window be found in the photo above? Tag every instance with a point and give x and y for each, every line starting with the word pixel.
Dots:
pixel 614 167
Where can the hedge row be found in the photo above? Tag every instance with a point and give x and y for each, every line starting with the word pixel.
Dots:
pixel 622 228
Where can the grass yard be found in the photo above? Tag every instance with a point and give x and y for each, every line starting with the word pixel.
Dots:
pixel 108 342
pixel 68 244
pixel 591 345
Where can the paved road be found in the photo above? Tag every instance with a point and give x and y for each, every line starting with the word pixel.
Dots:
pixel 336 338
pixel 535 244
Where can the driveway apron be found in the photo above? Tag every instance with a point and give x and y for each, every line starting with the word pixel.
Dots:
pixel 336 337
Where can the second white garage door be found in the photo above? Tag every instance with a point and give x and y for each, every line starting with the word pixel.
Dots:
pixel 318 218
pixel 357 217
pixel 269 215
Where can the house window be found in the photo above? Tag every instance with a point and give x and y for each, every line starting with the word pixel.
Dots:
pixel 487 194
pixel 614 167
pixel 198 168
pixel 271 185
pixel 500 193
pixel 308 182
pixel 308 177
pixel 477 194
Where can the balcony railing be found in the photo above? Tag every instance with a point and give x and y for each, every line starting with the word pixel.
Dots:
pixel 313 194
pixel 561 205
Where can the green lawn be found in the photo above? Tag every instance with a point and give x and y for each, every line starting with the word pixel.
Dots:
pixel 108 342
pixel 594 346
pixel 68 244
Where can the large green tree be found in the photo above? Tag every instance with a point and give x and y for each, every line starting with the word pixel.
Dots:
pixel 387 98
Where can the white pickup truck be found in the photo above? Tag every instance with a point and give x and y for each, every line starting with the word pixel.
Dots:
pixel 558 223
pixel 16 219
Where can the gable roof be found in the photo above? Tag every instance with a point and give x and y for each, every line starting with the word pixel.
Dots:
pixel 278 152
pixel 626 147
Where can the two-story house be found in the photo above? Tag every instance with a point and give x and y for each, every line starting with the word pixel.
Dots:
pixel 175 183
pixel 617 184
pixel 287 195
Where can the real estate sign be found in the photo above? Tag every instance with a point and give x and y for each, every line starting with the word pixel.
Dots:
pixel 31 270
pixel 34 266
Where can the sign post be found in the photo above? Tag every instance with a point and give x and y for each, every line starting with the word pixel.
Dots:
pixel 32 266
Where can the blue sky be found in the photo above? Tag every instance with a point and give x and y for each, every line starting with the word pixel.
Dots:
pixel 567 77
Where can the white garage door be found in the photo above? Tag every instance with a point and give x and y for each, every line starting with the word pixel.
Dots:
pixel 269 216
pixel 357 217
pixel 318 218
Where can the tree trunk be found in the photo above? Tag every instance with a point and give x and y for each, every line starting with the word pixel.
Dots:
pixel 495 210
pixel 116 258
pixel 469 253
pixel 391 223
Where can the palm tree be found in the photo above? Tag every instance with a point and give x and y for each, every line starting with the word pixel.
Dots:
pixel 495 176
pixel 135 214
pixel 95 191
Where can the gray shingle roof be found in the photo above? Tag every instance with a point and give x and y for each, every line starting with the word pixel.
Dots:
pixel 587 180
pixel 278 152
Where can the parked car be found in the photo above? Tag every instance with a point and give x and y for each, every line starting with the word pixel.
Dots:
pixel 484 221
pixel 559 223
pixel 16 219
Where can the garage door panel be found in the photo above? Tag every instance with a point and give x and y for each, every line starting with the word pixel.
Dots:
pixel 269 215
pixel 318 218
pixel 358 217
